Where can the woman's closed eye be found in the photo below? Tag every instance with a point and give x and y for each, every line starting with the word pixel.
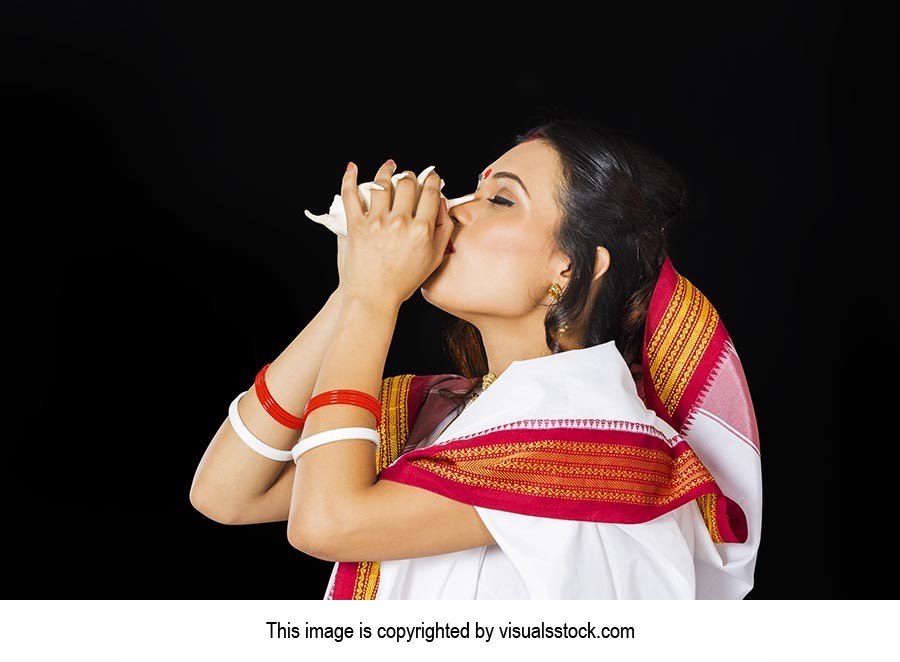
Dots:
pixel 497 200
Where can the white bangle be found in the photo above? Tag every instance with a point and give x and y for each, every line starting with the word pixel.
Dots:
pixel 338 434
pixel 248 437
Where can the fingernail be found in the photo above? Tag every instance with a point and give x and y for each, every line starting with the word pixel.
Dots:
pixel 391 163
pixel 350 166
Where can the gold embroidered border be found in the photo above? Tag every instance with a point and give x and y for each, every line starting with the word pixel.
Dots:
pixel 707 504
pixel 580 471
pixel 394 431
pixel 365 585
pixel 679 342
pixel 394 427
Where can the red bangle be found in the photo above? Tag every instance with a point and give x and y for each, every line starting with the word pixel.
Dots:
pixel 345 396
pixel 274 410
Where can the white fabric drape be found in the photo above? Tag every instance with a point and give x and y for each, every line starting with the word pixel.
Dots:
pixel 671 556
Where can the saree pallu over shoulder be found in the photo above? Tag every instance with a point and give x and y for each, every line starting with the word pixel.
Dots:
pixel 693 379
pixel 688 354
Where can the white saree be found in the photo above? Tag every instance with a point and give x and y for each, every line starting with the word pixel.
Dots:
pixel 671 556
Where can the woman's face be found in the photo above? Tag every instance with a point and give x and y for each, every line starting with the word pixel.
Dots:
pixel 505 256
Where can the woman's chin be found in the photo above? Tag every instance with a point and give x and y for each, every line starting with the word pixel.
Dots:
pixel 434 289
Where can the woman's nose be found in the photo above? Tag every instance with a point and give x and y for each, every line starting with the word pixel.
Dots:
pixel 460 209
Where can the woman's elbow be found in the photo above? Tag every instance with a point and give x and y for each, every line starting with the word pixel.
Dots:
pixel 212 509
pixel 317 536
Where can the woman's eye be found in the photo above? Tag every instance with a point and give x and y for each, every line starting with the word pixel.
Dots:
pixel 497 200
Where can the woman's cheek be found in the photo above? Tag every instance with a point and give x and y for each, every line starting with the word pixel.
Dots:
pixel 509 240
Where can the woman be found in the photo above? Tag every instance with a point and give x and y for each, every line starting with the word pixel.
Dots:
pixel 599 442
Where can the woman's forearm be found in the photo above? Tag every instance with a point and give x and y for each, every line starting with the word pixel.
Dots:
pixel 232 481
pixel 330 477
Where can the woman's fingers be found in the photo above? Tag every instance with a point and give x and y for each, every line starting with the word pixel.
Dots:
pixel 429 199
pixel 350 195
pixel 423 176
pixel 405 193
pixel 381 200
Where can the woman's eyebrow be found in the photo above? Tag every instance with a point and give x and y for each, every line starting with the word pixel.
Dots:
pixel 515 178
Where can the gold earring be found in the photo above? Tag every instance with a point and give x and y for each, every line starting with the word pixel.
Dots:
pixel 555 292
pixel 562 329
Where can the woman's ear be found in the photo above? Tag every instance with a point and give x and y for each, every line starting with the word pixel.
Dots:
pixel 601 264
pixel 564 275
pixel 560 268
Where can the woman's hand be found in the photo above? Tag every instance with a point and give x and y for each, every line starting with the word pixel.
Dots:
pixel 341 251
pixel 391 249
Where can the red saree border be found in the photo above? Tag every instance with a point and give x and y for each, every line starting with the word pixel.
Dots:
pixel 603 471
pixel 685 342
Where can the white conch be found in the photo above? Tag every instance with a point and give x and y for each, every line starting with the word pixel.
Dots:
pixel 336 219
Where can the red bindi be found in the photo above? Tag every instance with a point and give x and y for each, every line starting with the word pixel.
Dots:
pixel 487 173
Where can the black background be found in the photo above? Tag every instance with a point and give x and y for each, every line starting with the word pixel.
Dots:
pixel 158 255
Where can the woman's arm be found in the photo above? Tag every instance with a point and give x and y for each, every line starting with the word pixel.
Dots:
pixel 235 485
pixel 339 512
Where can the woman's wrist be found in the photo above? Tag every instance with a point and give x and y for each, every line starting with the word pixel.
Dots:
pixel 384 307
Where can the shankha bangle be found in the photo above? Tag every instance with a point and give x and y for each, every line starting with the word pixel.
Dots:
pixel 338 434
pixel 250 439
pixel 276 411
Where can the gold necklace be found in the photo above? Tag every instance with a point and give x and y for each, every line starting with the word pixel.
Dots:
pixel 486 381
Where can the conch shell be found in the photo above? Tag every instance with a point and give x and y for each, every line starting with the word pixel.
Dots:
pixel 336 219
